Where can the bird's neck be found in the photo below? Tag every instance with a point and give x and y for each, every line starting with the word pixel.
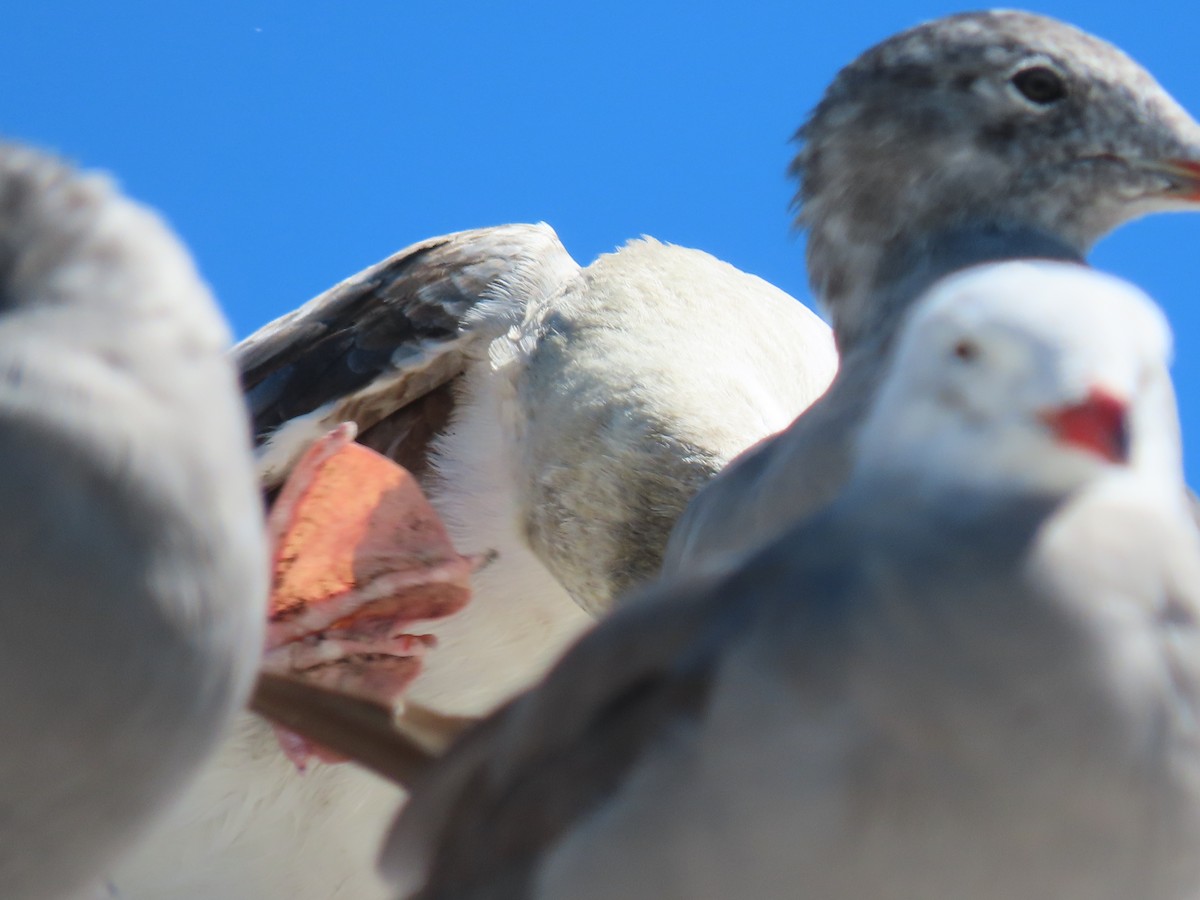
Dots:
pixel 868 289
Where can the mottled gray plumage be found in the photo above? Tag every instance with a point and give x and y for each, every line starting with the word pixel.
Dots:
pixel 925 157
pixel 132 553
pixel 976 674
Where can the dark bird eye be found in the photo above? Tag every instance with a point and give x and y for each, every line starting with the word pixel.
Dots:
pixel 966 350
pixel 1040 84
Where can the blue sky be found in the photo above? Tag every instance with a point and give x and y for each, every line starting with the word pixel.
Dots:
pixel 294 143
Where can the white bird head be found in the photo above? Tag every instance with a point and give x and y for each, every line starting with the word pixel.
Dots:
pixel 1037 374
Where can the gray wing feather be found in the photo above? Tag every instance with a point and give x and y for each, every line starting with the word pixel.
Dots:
pixel 477 822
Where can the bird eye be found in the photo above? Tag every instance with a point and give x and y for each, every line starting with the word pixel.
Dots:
pixel 1040 85
pixel 966 350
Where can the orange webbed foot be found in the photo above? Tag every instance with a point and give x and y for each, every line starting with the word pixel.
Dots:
pixel 359 557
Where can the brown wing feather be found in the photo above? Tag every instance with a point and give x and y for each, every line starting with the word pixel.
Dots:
pixel 391 335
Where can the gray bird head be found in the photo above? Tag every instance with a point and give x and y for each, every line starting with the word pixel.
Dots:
pixel 997 118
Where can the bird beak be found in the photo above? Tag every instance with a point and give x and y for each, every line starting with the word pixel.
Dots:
pixel 1097 425
pixel 1183 176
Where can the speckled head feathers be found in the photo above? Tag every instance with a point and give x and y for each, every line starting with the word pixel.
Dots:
pixel 996 117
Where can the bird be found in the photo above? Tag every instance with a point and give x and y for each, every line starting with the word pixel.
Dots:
pixel 132 559
pixel 462 312
pixel 975 137
pixel 558 416
pixel 436 354
pixel 975 673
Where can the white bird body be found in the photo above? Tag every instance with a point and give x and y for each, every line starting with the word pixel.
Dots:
pixel 975 675
pixel 520 618
pixel 592 406
pixel 133 561
pixel 861 792
pixel 569 385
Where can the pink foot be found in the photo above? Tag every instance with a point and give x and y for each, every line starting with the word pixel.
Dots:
pixel 359 557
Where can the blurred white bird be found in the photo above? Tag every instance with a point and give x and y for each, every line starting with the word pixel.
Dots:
pixel 132 556
pixel 976 674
